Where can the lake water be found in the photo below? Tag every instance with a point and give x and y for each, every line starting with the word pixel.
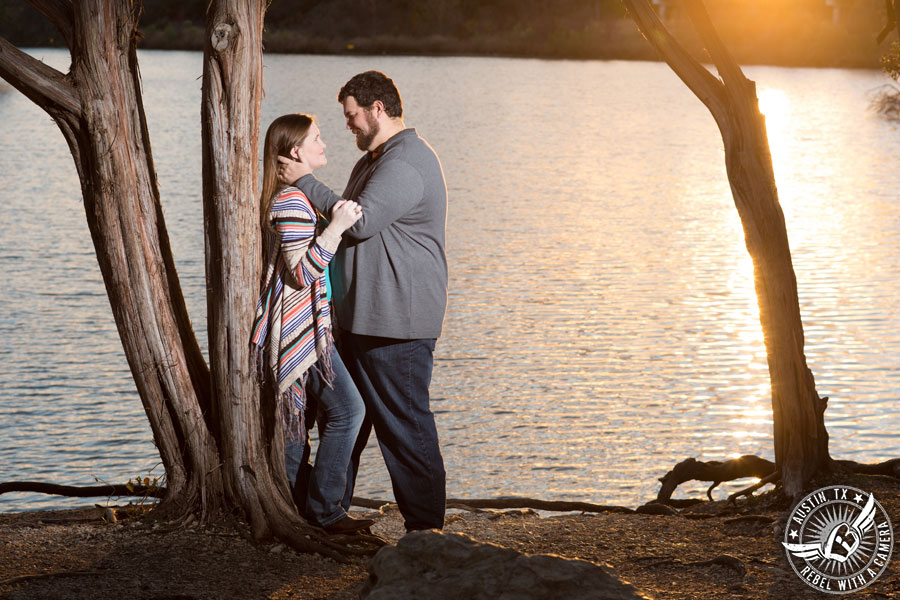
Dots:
pixel 602 323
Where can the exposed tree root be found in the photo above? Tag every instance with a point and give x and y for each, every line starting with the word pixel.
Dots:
pixel 752 466
pixel 473 504
pixel 311 540
pixel 71 491
pixel 656 508
pixel 369 503
pixel 891 468
pixel 748 491
pixel 551 505
pixel 748 465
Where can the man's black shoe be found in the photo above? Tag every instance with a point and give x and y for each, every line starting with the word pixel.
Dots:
pixel 348 525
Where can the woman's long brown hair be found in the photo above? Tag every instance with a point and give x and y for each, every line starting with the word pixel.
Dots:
pixel 284 133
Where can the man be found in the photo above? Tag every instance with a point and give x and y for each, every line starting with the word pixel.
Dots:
pixel 390 289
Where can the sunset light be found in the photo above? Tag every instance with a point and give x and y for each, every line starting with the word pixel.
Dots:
pixel 776 106
pixel 388 299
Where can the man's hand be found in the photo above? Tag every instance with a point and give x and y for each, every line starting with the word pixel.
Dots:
pixel 290 170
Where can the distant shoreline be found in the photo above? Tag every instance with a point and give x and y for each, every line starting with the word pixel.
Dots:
pixel 607 40
pixel 822 46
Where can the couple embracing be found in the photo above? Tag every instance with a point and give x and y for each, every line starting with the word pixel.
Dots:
pixel 351 306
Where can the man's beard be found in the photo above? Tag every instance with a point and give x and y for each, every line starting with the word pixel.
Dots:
pixel 364 140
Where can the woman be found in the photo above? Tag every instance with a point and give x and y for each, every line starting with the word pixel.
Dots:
pixel 292 336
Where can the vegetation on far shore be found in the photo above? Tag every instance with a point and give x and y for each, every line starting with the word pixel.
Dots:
pixel 796 33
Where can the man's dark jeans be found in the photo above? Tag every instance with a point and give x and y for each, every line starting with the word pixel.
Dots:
pixel 393 377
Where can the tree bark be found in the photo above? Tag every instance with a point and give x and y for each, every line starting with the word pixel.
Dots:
pixel 99 110
pixel 232 91
pixel 221 446
pixel 250 434
pixel 801 441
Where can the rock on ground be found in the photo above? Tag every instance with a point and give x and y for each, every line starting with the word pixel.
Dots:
pixel 435 565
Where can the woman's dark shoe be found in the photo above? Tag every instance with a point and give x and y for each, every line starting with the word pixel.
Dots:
pixel 348 525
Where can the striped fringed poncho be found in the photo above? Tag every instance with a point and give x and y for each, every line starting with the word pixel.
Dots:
pixel 292 330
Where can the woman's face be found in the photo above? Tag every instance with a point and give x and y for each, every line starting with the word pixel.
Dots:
pixel 312 150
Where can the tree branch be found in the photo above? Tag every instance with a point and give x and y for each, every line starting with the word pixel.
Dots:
pixel 891 21
pixel 715 471
pixel 706 86
pixel 60 14
pixel 895 17
pixel 44 85
pixel 728 69
pixel 889 468
pixel 81 492
pixel 748 491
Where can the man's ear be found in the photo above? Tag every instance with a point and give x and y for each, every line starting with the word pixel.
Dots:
pixel 378 106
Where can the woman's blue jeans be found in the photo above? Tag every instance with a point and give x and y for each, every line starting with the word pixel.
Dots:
pixel 339 413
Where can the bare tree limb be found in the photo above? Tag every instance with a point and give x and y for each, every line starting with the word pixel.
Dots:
pixel 741 88
pixel 895 17
pixel 60 14
pixel 42 84
pixel 81 492
pixel 890 468
pixel 706 86
pixel 801 440
pixel 891 22
pixel 716 471
pixel 748 491
pixel 728 69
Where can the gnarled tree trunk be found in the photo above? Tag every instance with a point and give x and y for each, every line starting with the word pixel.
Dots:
pixel 232 92
pixel 98 108
pixel 220 444
pixel 801 441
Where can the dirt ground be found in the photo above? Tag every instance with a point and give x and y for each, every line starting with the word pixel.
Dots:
pixel 708 551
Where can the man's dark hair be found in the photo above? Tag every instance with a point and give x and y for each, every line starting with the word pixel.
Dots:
pixel 370 86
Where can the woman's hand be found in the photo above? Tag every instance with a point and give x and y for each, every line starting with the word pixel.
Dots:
pixel 344 214
pixel 290 170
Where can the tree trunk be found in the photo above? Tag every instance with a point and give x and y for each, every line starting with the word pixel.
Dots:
pixel 250 435
pixel 221 446
pixel 801 441
pixel 98 108
pixel 232 92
